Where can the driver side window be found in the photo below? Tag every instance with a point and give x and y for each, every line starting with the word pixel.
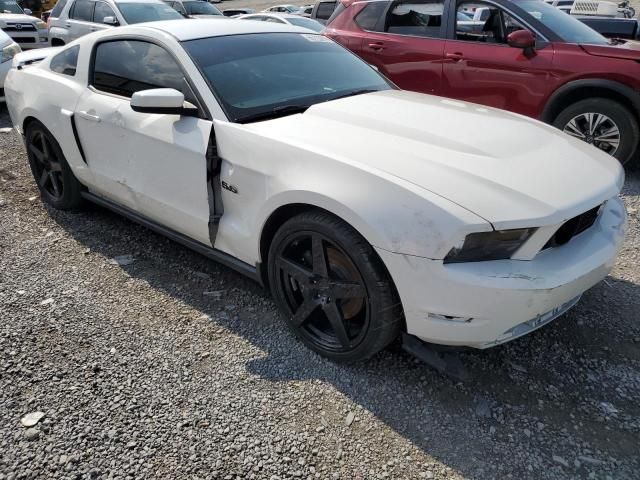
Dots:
pixel 484 22
pixel 123 67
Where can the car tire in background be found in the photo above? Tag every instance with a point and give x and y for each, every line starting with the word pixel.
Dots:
pixel 601 121
pixel 332 287
pixel 57 184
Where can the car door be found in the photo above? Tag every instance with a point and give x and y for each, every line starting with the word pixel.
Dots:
pixel 481 67
pixel 406 42
pixel 150 163
pixel 80 18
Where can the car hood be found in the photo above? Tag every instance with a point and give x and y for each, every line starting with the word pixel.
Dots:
pixel 16 17
pixel 627 50
pixel 510 170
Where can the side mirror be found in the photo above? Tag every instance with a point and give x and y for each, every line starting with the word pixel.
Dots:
pixel 523 39
pixel 110 21
pixel 167 101
pixel 27 11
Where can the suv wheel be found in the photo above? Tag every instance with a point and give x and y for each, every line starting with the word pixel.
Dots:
pixel 604 123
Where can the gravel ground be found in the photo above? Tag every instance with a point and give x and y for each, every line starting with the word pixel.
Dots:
pixel 167 365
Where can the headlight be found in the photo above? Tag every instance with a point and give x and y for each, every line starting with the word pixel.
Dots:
pixel 9 52
pixel 41 25
pixel 484 246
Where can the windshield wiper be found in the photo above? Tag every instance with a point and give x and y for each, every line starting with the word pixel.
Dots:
pixel 281 111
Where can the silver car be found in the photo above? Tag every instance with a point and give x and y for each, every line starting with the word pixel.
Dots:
pixel 75 18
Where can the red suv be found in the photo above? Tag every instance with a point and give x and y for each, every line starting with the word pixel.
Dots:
pixel 521 55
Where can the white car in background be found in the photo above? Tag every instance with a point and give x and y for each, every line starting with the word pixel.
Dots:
pixel 8 49
pixel 367 211
pixel 27 31
pixel 77 18
pixel 195 8
pixel 283 9
pixel 284 18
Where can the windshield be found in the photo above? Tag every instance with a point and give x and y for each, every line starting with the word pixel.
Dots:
pixel 255 74
pixel 9 6
pixel 200 7
pixel 147 12
pixel 570 29
pixel 306 23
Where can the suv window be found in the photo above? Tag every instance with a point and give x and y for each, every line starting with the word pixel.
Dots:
pixel 82 10
pixel 369 15
pixel 57 9
pixel 124 67
pixel 66 62
pixel 420 18
pixel 495 29
pixel 325 9
pixel 101 11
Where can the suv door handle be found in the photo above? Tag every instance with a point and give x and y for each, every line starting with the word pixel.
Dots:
pixel 88 116
pixel 67 24
pixel 377 46
pixel 455 56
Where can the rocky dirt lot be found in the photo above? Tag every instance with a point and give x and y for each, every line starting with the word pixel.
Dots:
pixel 149 361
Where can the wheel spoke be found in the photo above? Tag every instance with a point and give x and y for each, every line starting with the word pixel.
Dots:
pixel 319 257
pixel 346 290
pixel 596 120
pixel 300 273
pixel 304 312
pixel 332 310
pixel 45 146
pixel 55 183
pixel 44 177
pixel 36 152
pixel 572 129
pixel 55 166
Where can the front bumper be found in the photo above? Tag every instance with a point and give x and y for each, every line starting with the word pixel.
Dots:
pixel 4 69
pixel 31 39
pixel 483 304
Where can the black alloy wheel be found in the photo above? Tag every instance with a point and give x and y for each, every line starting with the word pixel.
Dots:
pixel 57 184
pixel 332 304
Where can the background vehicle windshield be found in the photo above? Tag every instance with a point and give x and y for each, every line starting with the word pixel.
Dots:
pixel 306 23
pixel 147 12
pixel 9 6
pixel 570 29
pixel 200 7
pixel 257 73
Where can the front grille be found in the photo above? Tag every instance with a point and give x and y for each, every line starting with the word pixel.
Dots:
pixel 573 227
pixel 24 39
pixel 23 27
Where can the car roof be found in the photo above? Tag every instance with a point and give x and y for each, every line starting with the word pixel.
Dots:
pixel 136 1
pixel 274 14
pixel 190 29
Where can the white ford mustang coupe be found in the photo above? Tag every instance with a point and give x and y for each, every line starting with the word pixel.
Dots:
pixel 367 211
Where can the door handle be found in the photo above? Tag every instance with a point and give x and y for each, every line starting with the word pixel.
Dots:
pixel 377 46
pixel 88 116
pixel 68 24
pixel 455 56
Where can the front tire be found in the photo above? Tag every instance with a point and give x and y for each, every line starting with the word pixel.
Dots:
pixel 57 184
pixel 604 123
pixel 333 289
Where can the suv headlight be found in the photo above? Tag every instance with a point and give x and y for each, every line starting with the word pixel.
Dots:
pixel 41 25
pixel 485 246
pixel 9 52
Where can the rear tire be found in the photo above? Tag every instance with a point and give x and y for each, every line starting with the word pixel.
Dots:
pixel 333 289
pixel 58 186
pixel 607 117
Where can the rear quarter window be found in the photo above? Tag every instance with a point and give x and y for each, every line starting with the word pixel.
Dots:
pixel 368 17
pixel 325 9
pixel 66 62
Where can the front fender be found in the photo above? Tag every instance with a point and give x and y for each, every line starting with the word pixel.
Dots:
pixel 390 213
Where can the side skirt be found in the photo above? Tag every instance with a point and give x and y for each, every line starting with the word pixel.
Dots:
pixel 220 257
